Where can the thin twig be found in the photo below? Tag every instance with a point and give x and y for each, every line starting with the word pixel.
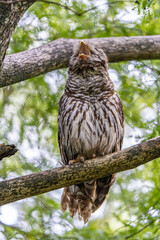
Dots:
pixel 141 229
pixel 100 5
pixel 63 6
pixel 151 68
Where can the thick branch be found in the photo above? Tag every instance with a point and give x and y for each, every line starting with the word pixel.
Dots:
pixel 55 55
pixel 34 184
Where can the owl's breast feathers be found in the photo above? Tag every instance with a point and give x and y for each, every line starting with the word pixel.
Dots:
pixel 91 127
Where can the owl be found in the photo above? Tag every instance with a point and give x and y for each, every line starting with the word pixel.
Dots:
pixel 90 124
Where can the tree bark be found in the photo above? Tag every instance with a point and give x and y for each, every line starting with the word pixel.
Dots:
pixel 34 184
pixel 55 55
pixel 7 150
pixel 10 15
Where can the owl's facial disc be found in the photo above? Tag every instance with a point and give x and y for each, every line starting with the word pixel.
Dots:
pixel 84 52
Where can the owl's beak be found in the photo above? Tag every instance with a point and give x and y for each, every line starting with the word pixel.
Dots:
pixel 84 51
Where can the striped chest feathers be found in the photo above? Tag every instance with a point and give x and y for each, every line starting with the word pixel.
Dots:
pixel 93 126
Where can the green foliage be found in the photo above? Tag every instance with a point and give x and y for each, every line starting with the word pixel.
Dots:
pixel 150 8
pixel 29 110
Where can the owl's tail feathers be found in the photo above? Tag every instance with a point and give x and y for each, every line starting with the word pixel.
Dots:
pixel 103 187
pixel 79 198
pixel 84 208
pixel 86 197
pixel 68 200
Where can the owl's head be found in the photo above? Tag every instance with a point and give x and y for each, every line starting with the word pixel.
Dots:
pixel 86 55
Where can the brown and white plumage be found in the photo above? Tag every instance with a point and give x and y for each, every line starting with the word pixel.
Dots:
pixel 90 123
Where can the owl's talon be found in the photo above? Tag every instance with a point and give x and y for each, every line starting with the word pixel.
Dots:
pixel 72 162
pixel 81 159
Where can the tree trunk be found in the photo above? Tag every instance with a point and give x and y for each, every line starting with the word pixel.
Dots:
pixel 10 15
pixel 35 184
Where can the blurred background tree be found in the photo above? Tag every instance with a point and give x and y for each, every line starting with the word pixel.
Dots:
pixel 28 114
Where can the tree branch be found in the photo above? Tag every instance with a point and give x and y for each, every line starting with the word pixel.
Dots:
pixel 55 55
pixel 106 3
pixel 38 183
pixel 7 150
pixel 45 1
pixel 135 233
pixel 9 2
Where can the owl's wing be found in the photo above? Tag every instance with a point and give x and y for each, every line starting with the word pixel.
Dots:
pixel 61 128
pixel 104 184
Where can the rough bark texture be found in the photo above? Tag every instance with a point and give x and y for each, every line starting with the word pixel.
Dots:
pixel 10 15
pixel 7 150
pixel 55 55
pixel 34 184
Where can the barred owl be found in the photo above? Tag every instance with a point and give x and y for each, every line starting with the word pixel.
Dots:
pixel 90 124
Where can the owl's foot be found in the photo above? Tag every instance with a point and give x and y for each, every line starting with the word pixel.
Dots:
pixel 94 155
pixel 78 159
